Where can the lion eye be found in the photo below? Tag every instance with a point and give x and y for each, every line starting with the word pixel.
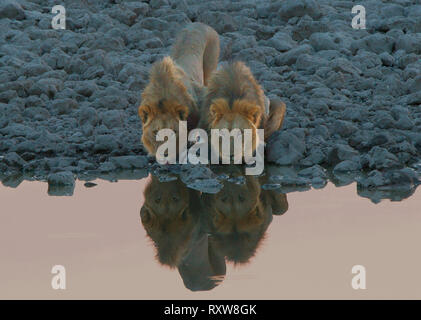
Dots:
pixel 224 199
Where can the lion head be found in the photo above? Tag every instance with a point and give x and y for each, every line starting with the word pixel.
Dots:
pixel 160 115
pixel 169 218
pixel 239 216
pixel 237 219
pixel 241 115
pixel 165 102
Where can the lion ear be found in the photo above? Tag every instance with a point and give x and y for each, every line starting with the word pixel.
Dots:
pixel 254 114
pixel 251 221
pixel 249 110
pixel 146 216
pixel 143 113
pixel 218 108
pixel 182 112
pixel 213 112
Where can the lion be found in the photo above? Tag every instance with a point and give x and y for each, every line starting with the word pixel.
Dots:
pixel 176 83
pixel 170 218
pixel 234 100
pixel 196 233
pixel 239 215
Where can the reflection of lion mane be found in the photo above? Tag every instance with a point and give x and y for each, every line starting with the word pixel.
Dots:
pixel 176 83
pixel 239 216
pixel 169 217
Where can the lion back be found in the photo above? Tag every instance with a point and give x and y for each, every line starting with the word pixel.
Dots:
pixel 196 50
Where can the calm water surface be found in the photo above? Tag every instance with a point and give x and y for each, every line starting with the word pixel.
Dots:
pixel 242 243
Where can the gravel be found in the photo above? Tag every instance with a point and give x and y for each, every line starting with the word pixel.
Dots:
pixel 353 96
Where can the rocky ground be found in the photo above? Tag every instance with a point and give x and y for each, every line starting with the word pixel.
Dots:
pixel 68 98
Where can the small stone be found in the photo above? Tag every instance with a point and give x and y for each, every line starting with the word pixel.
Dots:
pixel 313 172
pixel 113 119
pixel 64 106
pixel 299 8
pixel 290 57
pixel 156 4
pixel 324 41
pixel 49 87
pixel 35 69
pixel 12 10
pixel 90 184
pixel 285 148
pixel 151 23
pixel 107 166
pixel 281 41
pixel 222 22
pixel 64 178
pixel 347 166
pixel 341 152
pixel 343 128
pixel 86 88
pixel 200 178
pixel 7 95
pixel 129 162
pixel 18 130
pixel 14 160
pixel 404 123
pixel 105 143
pixel 61 184
pixel 271 186
pixel 94 72
pixel 373 180
pixel 88 115
pixel 112 102
pixel 387 59
pixel 380 158
pixel 405 176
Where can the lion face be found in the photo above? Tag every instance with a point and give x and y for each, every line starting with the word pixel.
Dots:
pixel 167 219
pixel 237 207
pixel 163 114
pixel 238 220
pixel 242 115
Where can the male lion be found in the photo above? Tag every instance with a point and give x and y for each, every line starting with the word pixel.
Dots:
pixel 170 218
pixel 176 83
pixel 234 100
pixel 239 216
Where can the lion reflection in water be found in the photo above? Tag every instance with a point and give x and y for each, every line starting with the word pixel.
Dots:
pixel 197 232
